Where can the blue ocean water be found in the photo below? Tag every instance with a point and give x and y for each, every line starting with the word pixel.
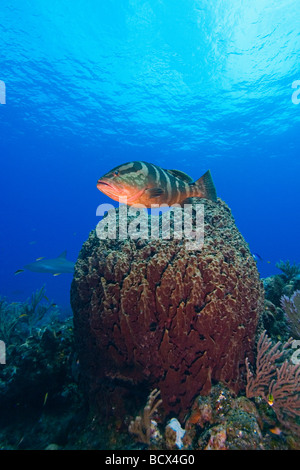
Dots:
pixel 185 84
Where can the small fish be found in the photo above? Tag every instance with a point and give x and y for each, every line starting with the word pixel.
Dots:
pixel 270 400
pixel 19 271
pixel 45 399
pixel 147 184
pixel 256 256
pixel 277 431
pixel 41 257
pixel 20 441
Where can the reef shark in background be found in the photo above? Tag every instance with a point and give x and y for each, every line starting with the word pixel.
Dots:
pixel 53 266
pixel 147 184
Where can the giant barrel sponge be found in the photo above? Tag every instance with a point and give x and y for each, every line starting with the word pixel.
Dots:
pixel 150 313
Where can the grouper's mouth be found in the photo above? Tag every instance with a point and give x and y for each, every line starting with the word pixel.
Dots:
pixel 104 186
pixel 116 193
pixel 101 183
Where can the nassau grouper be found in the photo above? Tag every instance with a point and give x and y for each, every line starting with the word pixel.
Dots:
pixel 147 184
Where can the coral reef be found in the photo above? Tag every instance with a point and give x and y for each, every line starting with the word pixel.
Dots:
pixel 280 315
pixel 277 383
pixel 223 421
pixel 42 404
pixel 282 284
pixel 38 366
pixel 9 317
pixel 152 313
pixel 290 271
pixel 18 319
pixel 291 307
pixel 40 401
pixel 143 427
pixel 174 434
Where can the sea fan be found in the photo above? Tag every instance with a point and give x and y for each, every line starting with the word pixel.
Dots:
pixel 291 306
pixel 290 271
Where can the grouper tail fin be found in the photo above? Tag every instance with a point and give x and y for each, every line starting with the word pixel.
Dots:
pixel 207 187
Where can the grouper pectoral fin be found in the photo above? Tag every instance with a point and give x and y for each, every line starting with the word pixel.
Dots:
pixel 154 192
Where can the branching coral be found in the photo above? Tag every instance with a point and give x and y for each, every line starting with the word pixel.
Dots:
pixel 277 384
pixel 9 317
pixel 289 270
pixel 35 310
pixel 267 356
pixel 19 316
pixel 292 310
pixel 285 391
pixel 142 427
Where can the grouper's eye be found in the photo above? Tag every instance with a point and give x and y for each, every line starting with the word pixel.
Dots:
pixel 116 172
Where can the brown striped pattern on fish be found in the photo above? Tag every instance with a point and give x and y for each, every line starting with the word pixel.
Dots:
pixel 145 183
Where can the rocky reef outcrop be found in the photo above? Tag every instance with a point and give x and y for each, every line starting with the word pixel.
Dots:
pixel 151 313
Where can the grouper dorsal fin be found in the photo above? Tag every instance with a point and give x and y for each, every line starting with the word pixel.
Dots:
pixel 63 254
pixel 181 175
